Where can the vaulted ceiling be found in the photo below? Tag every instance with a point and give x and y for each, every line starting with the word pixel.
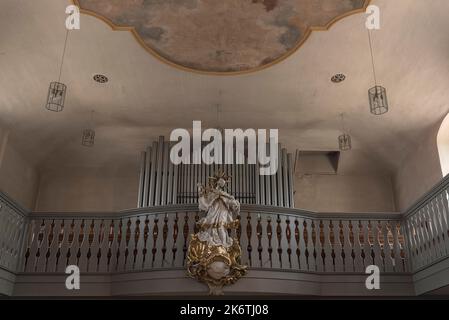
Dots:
pixel 145 97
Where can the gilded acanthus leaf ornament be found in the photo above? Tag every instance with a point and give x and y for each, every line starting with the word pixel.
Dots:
pixel 213 256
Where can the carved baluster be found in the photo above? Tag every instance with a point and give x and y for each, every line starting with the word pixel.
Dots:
pixel 426 252
pixel 314 246
pixel 347 246
pixel 146 232
pixel 90 240
pixel 279 238
pixel 310 245
pixel 136 241
pixel 371 242
pixel 441 214
pixel 408 229
pixel 80 242
pixel 382 244
pixel 185 233
pixel 434 222
pixel 340 254
pixel 420 256
pixel 444 211
pixel 164 238
pixel 155 236
pixel 71 239
pixel 60 242
pixel 327 247
pixel 430 233
pixel 298 247
pixel 288 235
pixel 175 238
pixel 127 239
pixel 413 239
pixel 13 240
pixel 119 242
pixel 332 242
pixel 270 234
pixel 322 252
pixel 352 244
pixel 436 225
pixel 305 234
pixel 369 238
pixel 30 243
pixel 3 234
pixel 50 237
pixel 379 259
pixel 100 243
pixel 249 231
pixel 363 244
pixel 357 246
pixel 388 248
pixel 259 239
pixel 401 246
pixel 381 233
pixel 445 200
pixel 395 250
pixel 111 234
pixel 424 255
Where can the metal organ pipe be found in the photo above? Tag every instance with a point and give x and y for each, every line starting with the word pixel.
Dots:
pixel 163 183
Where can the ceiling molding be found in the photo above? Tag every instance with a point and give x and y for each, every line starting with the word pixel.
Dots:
pixel 179 66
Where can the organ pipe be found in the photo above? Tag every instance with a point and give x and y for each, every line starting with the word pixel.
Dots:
pixel 163 183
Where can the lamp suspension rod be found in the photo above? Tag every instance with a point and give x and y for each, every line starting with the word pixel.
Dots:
pixel 372 57
pixel 63 55
pixel 343 128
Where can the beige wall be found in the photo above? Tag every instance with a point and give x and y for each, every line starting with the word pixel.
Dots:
pixel 88 189
pixel 419 172
pixel 344 193
pixel 18 177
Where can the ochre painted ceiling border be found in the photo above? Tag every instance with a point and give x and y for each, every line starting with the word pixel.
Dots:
pixel 281 58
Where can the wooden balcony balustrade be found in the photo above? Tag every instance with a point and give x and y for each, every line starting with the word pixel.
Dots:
pixel 270 238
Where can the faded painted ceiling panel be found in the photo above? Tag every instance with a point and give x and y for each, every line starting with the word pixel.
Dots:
pixel 221 36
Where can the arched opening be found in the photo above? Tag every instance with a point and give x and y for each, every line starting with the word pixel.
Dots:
pixel 443 145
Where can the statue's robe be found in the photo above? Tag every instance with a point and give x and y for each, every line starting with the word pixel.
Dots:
pixel 220 206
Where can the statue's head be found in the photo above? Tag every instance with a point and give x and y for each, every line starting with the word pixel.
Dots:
pixel 219 180
pixel 221 183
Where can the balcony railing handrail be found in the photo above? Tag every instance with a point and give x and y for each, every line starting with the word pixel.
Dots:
pixel 418 237
pixel 244 207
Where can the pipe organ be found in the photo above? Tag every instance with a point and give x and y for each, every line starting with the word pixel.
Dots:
pixel 163 183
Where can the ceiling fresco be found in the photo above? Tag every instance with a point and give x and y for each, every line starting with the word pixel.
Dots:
pixel 221 36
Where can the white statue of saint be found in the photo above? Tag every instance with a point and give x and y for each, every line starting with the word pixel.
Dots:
pixel 220 207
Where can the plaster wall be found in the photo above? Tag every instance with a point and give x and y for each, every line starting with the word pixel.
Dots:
pixel 419 171
pixel 18 177
pixel 344 193
pixel 88 189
